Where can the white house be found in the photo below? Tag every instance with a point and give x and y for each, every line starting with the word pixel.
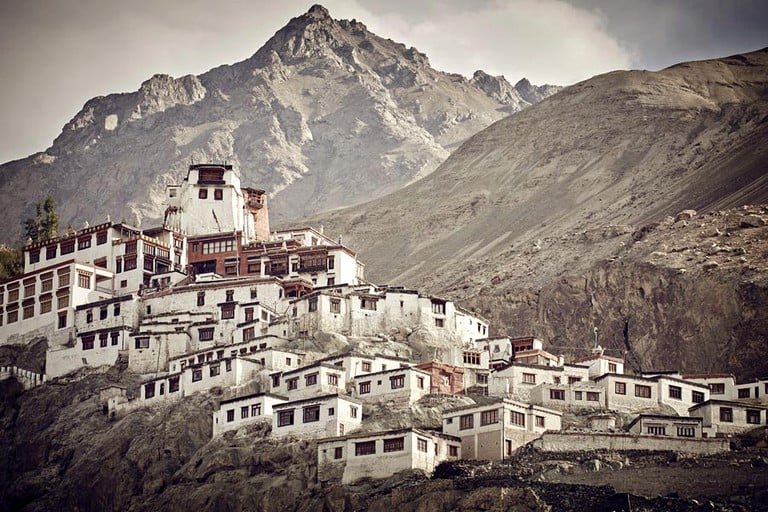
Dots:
pixel 382 454
pixel 577 395
pixel 600 364
pixel 722 386
pixel 728 416
pixel 317 416
pixel 315 379
pixel 518 380
pixel 635 393
pixel 493 431
pixel 668 426
pixel 404 385
pixel 244 410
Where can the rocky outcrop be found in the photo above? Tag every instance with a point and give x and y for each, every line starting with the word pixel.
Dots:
pixel 324 115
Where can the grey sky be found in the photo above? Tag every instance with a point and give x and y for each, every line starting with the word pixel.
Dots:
pixel 57 54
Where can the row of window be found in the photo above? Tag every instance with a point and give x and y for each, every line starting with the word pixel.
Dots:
pixel 218 194
pixel 396 444
pixel 89 340
pixel 642 391
pixel 245 411
pixel 395 382
pixel 68 247
pixel 150 387
pixel 103 313
pixel 311 380
pixel 310 414
pixel 491 417
pixel 726 415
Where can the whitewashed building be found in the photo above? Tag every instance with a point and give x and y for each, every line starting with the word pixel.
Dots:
pixel 728 416
pixel 634 393
pixel 382 454
pixel 494 431
pixel 722 386
pixel 667 426
pixel 600 364
pixel 244 410
pixel 318 378
pixel 518 380
pixel 402 385
pixel 317 416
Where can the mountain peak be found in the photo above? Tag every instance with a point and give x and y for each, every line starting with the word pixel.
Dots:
pixel 318 12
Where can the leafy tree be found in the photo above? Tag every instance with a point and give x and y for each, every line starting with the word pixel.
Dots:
pixel 45 224
pixel 11 261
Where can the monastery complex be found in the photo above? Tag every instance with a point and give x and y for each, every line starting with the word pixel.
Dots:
pixel 214 299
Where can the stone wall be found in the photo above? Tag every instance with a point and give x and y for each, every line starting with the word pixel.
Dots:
pixel 576 441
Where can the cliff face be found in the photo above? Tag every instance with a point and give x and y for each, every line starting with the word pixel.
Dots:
pixel 325 114
pixel 524 217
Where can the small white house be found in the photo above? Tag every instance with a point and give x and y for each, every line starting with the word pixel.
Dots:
pixel 634 393
pixel 668 426
pixel 244 410
pixel 517 380
pixel 315 379
pixel 318 416
pixel 382 454
pixel 405 385
pixel 729 417
pixel 578 395
pixel 493 431
pixel 600 364
pixel 722 386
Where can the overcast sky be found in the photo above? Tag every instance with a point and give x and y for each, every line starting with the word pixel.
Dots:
pixel 57 54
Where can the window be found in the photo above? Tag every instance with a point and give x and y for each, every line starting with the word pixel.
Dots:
pixel 118 265
pixel 744 393
pixel 103 313
pixel 29 311
pixel 331 281
pixel 84 279
pixel 13 295
pixel 642 391
pixel 331 261
pixel 438 308
pixel 726 414
pixel 312 304
pixel 335 306
pixel 215 370
pixel 116 310
pixel 103 339
pixel 753 416
pixel 331 411
pixel 114 338
pixel 310 380
pixel 68 248
pixel 197 374
pixel 292 384
pixel 593 396
pixel 717 388
pixel 439 322
pixel 612 368
pixel 620 388
pixel 205 334
pixel 88 342
pixel 366 366
pixel 230 416
pixel 89 316
pixel 45 305
pixel 466 421
pixel 540 421
pixel 228 366
pixel 244 412
pixel 337 452
pixel 471 357
pixel 47 285
pixel 285 418
pixel 142 342
pixel 529 378
pixel 201 298
pixel 230 295
pixel 676 392
pixel 420 382
pixel 557 394
pixel 227 312
pixel 656 430
pixel 683 431
pixel 311 414
pixel 517 418
pixel 62 319
pixel 333 379
pixel 256 410
pixel 50 252
pixel 129 264
pixel 248 314
pixel 421 444
pixel 149 390
pixel 573 380
pixel 13 316
pixel 368 303
pixel 397 382
pixel 249 333
pixel 29 289
pixel 578 395
pixel 218 194
pixel 352 411
pixel 365 448
pixel 394 445
pixel 101 238
pixel 202 193
pixel 365 387
pixel 489 417
pixel 453 451
pixel 84 243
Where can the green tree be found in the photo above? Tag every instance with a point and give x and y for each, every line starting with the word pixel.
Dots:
pixel 11 261
pixel 50 223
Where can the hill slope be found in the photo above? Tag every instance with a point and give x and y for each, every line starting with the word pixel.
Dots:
pixel 576 174
pixel 325 114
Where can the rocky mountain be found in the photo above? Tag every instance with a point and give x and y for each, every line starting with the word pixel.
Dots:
pixel 540 220
pixel 325 114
